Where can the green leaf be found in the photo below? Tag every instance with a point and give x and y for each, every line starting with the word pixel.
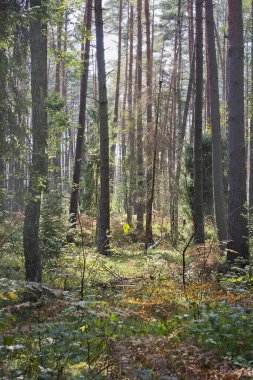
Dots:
pixel 8 340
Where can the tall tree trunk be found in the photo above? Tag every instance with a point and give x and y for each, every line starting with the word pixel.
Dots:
pixel 181 137
pixel 123 130
pixel 66 160
pixel 140 170
pixel 131 134
pixel 58 54
pixel 251 132
pixel 3 122
pixel 58 51
pixel 82 118
pixel 154 162
pixel 222 65
pixel 63 65
pixel 190 28
pixel 218 187
pixel 151 140
pixel 39 167
pixel 237 222
pixel 116 101
pixel 198 169
pixel 207 85
pixel 104 212
pixel 178 121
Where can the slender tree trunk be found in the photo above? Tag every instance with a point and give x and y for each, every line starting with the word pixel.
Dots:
pixel 152 190
pixel 190 28
pixel 198 170
pixel 218 187
pixel 104 213
pixel 39 167
pixel 116 101
pixel 63 65
pixel 237 222
pixel 82 119
pixel 64 96
pixel 3 122
pixel 58 54
pixel 151 139
pixel 140 170
pixel 131 137
pixel 222 65
pixel 124 125
pixel 207 85
pixel 174 198
pixel 251 132
pixel 181 137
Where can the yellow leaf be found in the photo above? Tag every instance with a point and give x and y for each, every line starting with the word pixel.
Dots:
pixel 126 228
pixel 84 328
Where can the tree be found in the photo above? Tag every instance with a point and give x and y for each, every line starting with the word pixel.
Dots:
pixel 181 138
pixel 104 207
pixel 3 121
pixel 140 169
pixel 198 170
pixel 82 118
pixel 149 77
pixel 131 127
pixel 251 130
pixel 218 187
pixel 58 54
pixel 116 101
pixel 177 124
pixel 39 165
pixel 237 221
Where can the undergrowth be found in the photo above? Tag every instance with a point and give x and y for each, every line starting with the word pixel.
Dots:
pixel 133 319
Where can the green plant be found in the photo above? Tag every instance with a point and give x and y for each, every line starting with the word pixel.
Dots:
pixel 227 329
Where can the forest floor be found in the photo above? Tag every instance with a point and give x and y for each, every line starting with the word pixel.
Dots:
pixel 135 319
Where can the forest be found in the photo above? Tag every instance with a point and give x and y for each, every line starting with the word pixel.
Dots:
pixel 126 189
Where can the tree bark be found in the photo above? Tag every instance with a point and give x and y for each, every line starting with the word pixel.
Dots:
pixel 140 169
pixel 131 127
pixel 177 129
pixel 74 198
pixel 104 213
pixel 237 222
pixel 3 122
pixel 124 125
pixel 151 139
pixel 198 170
pixel 251 132
pixel 181 137
pixel 57 88
pixel 218 187
pixel 116 101
pixel 39 167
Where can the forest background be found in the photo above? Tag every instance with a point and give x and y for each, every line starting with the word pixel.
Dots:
pixel 126 174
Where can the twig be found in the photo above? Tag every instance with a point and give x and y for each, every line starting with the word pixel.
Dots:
pixel 184 252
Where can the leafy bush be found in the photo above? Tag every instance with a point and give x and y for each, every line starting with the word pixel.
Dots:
pixel 229 330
